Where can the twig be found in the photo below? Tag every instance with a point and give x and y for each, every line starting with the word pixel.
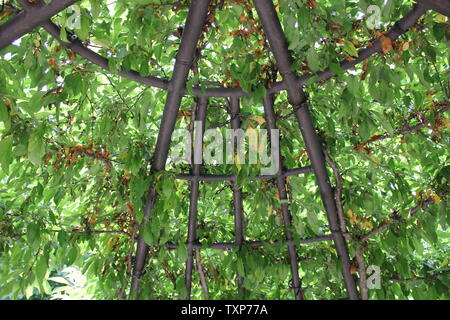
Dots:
pixel 411 213
pixel 370 234
pixel 18 235
pixel 410 129
pixel 359 254
pixel 198 265
pixel 129 271
pixel 359 250
pixel 431 277
pixel 337 190
pixel 115 89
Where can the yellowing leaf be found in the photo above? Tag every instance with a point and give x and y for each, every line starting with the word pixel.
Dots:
pixel 367 225
pixel 405 46
pixel 374 159
pixel 441 18
pixel 353 217
pixel 262 146
pixel 418 195
pixel 102 42
pixel 238 162
pixel 386 44
pixel 436 198
pixel 312 4
pixel 109 245
pixel 258 119
pixel 353 269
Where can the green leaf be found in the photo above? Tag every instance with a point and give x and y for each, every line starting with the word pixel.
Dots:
pixel 313 221
pixel 240 267
pixel 36 147
pixel 182 251
pixel 33 234
pixel 35 103
pixel 385 123
pixel 181 286
pixel 63 35
pixel 6 153
pixel 4 116
pixel 72 255
pixel 41 268
pixel 388 9
pixel 313 59
pixel 83 32
pixel 148 235
pixel 349 48
pixel 59 196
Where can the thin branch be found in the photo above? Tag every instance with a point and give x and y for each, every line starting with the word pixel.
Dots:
pixel 441 6
pixel 104 231
pixel 116 90
pixel 433 63
pixel 411 213
pixel 379 229
pixel 10 10
pixel 399 28
pixel 203 282
pixel 424 204
pixel 338 190
pixel 363 290
pixel 431 277
pixel 79 48
pixel 18 235
pixel 408 129
pixel 26 20
pixel 359 250
pixel 129 271
pixel 252 244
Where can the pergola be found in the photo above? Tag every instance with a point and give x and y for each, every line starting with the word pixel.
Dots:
pixel 38 14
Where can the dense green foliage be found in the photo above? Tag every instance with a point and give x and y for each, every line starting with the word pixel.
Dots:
pixel 76 141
